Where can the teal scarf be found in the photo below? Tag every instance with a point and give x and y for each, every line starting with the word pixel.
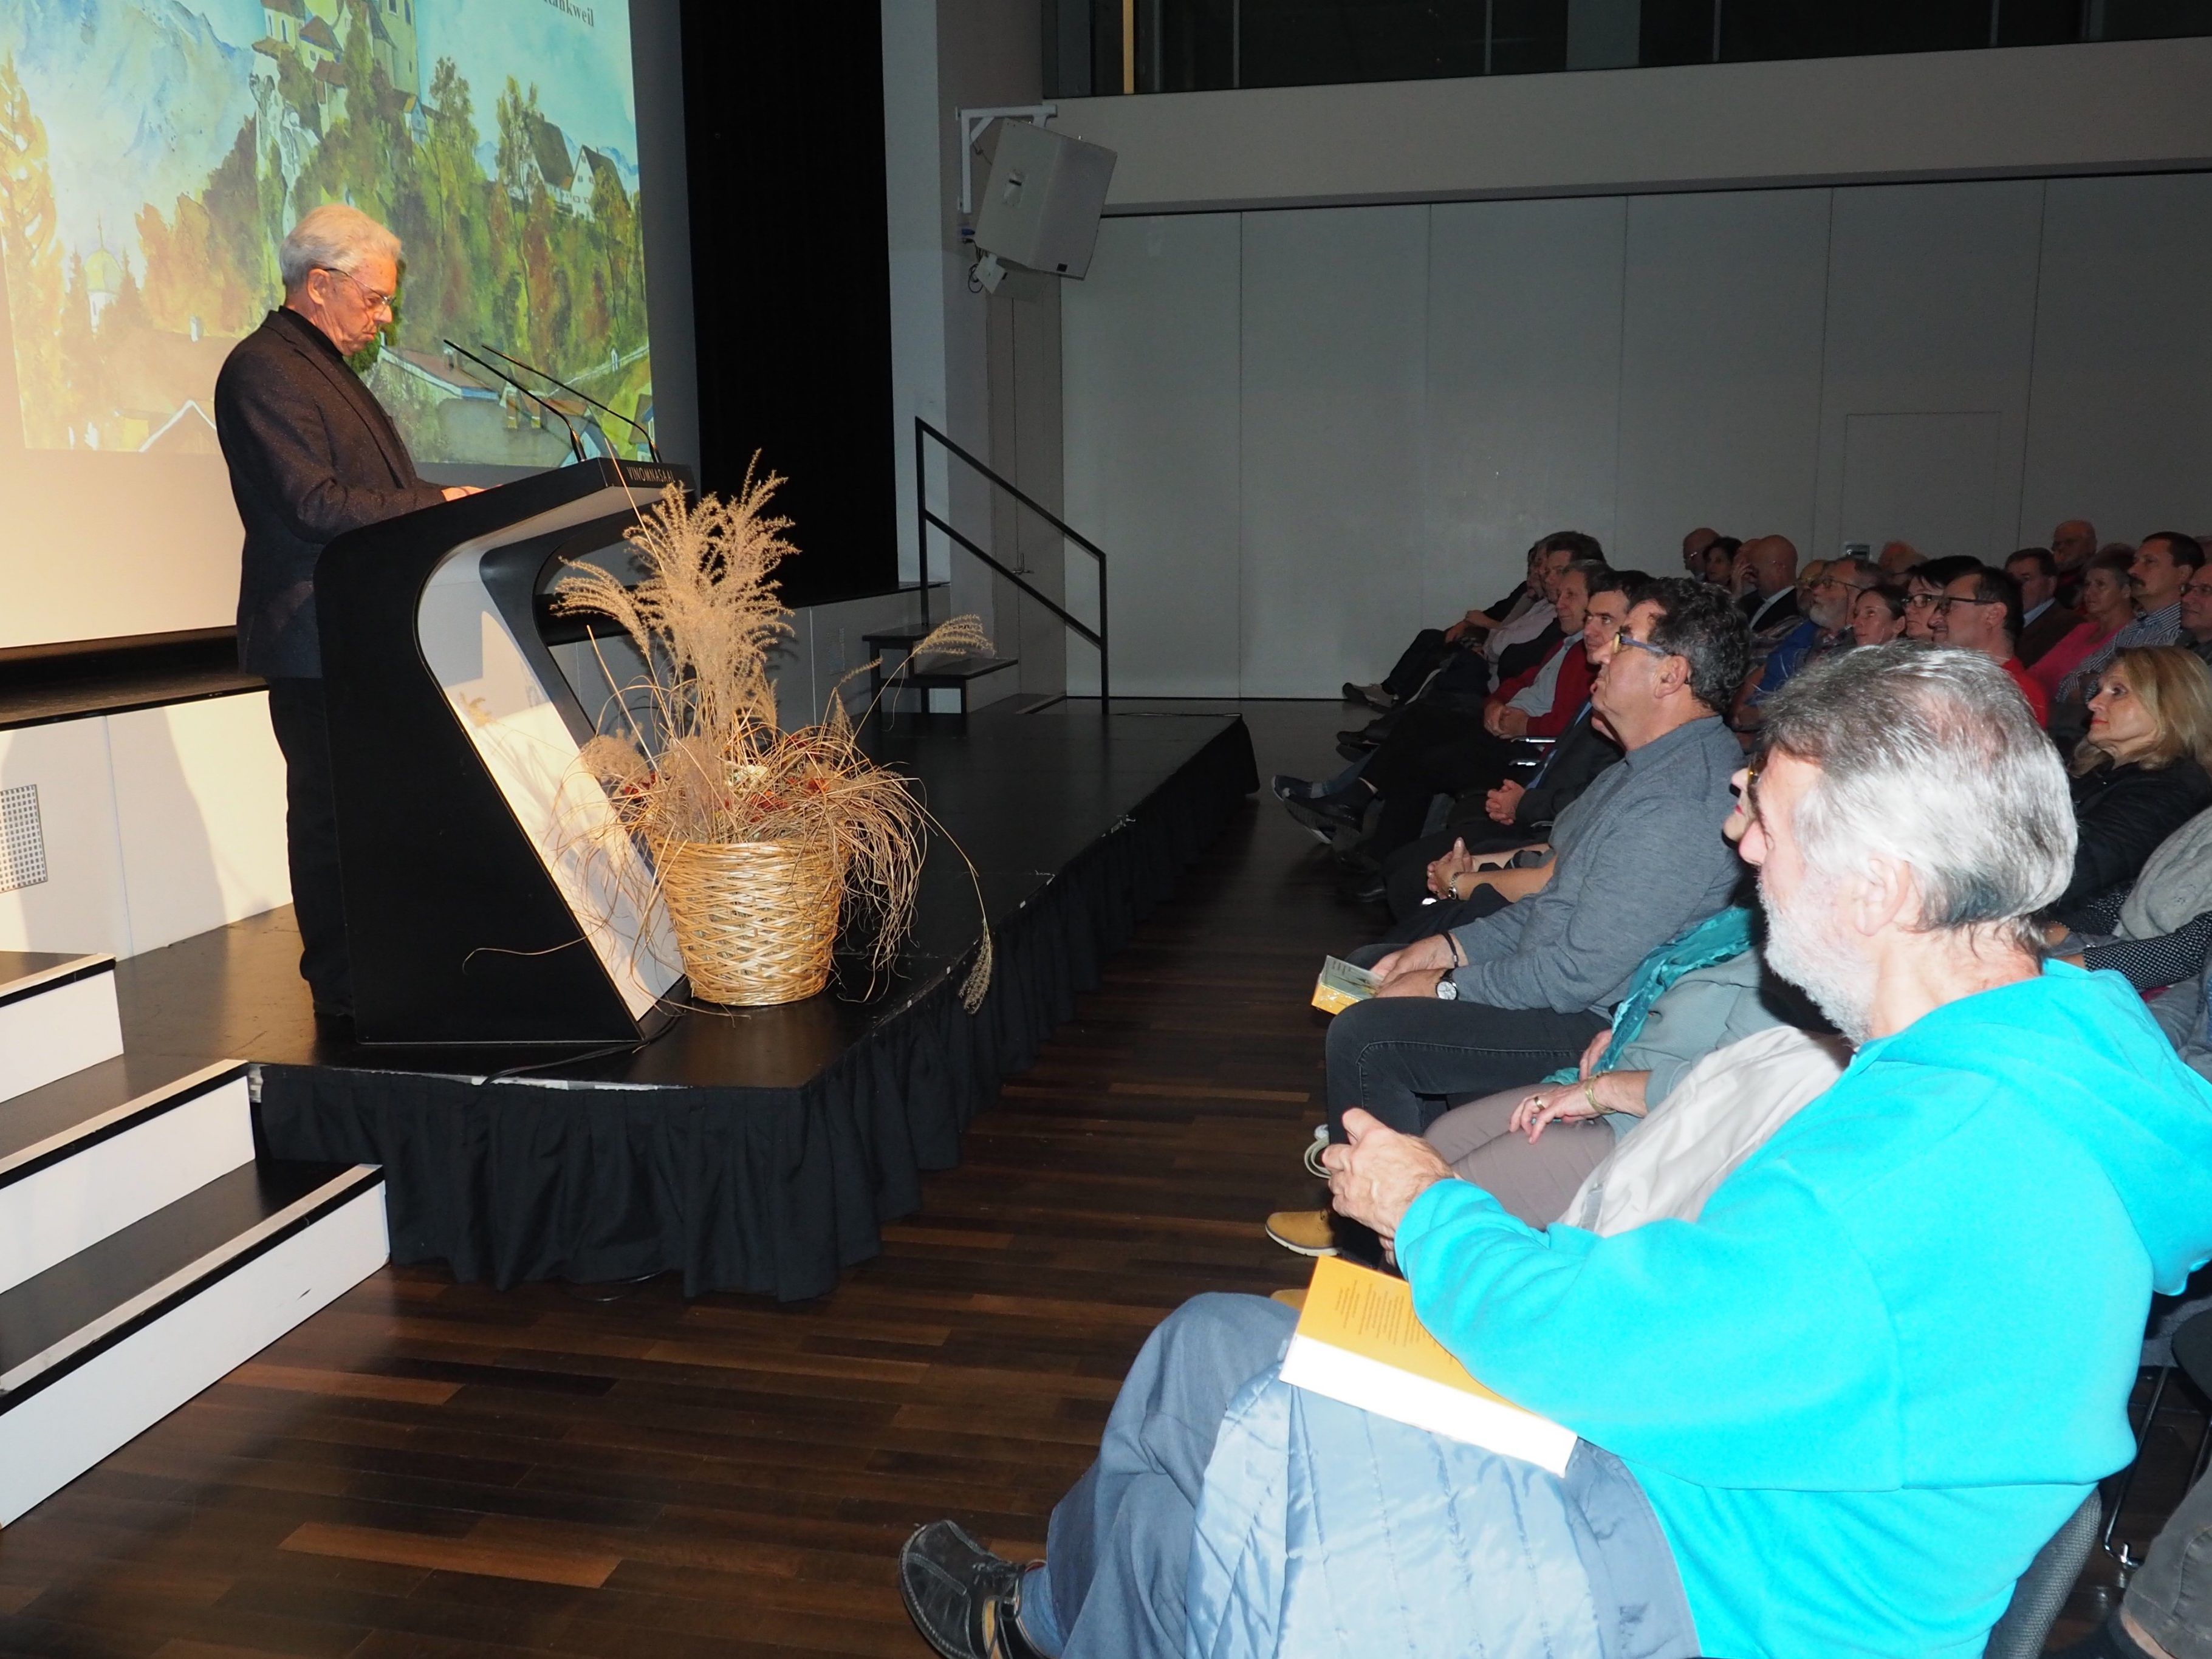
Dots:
pixel 1723 934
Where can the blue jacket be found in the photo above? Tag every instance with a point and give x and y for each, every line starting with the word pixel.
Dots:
pixel 1895 1350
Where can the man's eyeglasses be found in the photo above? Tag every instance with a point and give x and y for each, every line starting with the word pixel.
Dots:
pixel 1626 641
pixel 2196 587
pixel 1913 600
pixel 1943 607
pixel 375 300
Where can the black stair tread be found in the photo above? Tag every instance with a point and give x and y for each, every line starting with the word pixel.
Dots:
pixel 78 1103
pixel 904 634
pixel 957 671
pixel 54 1314
pixel 26 972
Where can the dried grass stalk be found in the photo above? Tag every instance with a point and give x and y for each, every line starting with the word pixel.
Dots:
pixel 716 769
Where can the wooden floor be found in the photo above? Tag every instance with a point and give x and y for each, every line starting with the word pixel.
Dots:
pixel 429 1468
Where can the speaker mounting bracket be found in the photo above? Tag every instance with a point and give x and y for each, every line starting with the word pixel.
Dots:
pixel 972 123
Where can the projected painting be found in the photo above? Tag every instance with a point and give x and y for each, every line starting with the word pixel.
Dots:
pixel 154 152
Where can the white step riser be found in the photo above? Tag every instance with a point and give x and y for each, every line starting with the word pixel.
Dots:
pixel 73 1203
pixel 44 1038
pixel 58 1434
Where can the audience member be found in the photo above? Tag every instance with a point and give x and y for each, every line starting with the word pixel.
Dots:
pixel 1515 813
pixel 2043 621
pixel 1827 599
pixel 1980 612
pixel 1520 993
pixel 2107 604
pixel 1704 988
pixel 1694 546
pixel 1898 558
pixel 1924 586
pixel 2073 544
pixel 1437 750
pixel 1769 597
pixel 1431 647
pixel 1720 559
pixel 1812 1388
pixel 1877 616
pixel 2196 613
pixel 2140 773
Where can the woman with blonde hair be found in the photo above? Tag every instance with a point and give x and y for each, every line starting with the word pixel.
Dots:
pixel 2140 774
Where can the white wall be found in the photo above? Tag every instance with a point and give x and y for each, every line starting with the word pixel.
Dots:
pixel 158 824
pixel 1299 433
pixel 2123 106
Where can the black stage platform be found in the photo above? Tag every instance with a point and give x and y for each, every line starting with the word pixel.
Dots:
pixel 758 1150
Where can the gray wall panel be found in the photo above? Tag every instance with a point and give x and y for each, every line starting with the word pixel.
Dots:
pixel 1720 379
pixel 1149 353
pixel 1931 311
pixel 2120 428
pixel 1334 343
pixel 1523 386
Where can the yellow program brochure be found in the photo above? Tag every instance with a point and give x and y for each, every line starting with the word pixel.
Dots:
pixel 1358 1341
pixel 1340 985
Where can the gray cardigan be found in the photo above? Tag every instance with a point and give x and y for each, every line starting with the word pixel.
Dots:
pixel 1638 856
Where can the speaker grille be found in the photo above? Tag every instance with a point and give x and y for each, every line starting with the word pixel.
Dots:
pixel 23 839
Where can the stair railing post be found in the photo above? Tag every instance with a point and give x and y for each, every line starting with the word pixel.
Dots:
pixel 921 519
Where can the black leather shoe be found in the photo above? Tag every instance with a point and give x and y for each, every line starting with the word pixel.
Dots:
pixel 963 1599
pixel 1365 736
pixel 1329 815
pixel 1361 888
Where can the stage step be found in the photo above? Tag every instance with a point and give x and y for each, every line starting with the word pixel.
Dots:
pixel 85 1156
pixel 96 1350
pixel 57 1015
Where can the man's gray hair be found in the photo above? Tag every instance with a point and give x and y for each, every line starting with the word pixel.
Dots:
pixel 1933 758
pixel 333 237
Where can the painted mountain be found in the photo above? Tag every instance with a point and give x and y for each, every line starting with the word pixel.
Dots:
pixel 154 152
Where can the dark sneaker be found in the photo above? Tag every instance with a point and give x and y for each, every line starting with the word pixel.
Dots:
pixel 962 1598
pixel 1284 787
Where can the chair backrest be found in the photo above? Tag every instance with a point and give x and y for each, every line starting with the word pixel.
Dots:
pixel 2042 1589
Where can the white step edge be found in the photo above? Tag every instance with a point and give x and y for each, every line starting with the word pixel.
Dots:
pixel 75 1201
pixel 56 1022
pixel 57 1434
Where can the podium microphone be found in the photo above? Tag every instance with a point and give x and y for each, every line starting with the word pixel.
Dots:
pixel 575 443
pixel 651 447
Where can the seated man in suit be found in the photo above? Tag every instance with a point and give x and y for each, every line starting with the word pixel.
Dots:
pixel 2042 620
pixel 312 455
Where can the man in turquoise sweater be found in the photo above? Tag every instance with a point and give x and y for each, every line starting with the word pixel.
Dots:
pixel 1836 1414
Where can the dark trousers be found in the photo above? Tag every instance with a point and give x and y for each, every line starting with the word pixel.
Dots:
pixel 1421 659
pixel 299 713
pixel 1432 753
pixel 1408 1059
pixel 1406 872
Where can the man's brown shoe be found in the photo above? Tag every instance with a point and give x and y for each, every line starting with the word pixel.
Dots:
pixel 1310 1232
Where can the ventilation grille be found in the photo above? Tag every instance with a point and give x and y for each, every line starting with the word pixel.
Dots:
pixel 23 839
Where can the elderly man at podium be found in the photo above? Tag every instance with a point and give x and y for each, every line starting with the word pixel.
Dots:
pixel 312 455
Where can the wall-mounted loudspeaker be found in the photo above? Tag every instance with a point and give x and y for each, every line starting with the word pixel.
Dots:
pixel 1042 208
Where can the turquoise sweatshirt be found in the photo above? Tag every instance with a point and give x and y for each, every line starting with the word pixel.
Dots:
pixel 1894 1352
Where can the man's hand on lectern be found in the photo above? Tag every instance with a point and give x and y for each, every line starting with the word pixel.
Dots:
pixel 454 492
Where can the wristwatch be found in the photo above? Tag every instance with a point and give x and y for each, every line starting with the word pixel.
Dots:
pixel 1446 991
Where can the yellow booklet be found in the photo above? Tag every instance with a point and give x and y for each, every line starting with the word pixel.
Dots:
pixel 1340 985
pixel 1358 1341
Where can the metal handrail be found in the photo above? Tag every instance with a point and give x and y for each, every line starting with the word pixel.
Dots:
pixel 924 519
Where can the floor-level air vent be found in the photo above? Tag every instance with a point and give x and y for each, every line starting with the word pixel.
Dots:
pixel 23 841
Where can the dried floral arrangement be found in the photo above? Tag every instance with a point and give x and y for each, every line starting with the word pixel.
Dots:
pixel 759 836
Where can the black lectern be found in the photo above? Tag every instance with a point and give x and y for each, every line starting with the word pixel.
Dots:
pixel 490 895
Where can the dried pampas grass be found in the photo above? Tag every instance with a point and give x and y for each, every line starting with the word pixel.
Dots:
pixel 706 764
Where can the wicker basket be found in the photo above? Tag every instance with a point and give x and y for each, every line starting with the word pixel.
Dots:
pixel 755 921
